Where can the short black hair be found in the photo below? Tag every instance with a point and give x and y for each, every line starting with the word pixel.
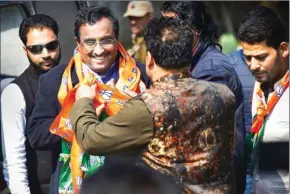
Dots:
pixel 261 23
pixel 196 14
pixel 91 15
pixel 37 21
pixel 169 41
pixel 125 177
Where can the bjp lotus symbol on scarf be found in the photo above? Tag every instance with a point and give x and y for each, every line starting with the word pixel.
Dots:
pixel 107 94
pixel 279 91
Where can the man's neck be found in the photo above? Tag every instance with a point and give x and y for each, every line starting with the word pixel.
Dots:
pixel 267 88
pixel 37 69
pixel 160 73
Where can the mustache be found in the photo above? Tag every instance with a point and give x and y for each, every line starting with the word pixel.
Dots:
pixel 93 55
pixel 258 72
pixel 38 65
pixel 48 60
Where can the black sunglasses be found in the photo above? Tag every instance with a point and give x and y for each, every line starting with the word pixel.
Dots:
pixel 37 49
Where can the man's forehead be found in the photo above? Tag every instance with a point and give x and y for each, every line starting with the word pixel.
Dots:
pixel 40 36
pixel 254 49
pixel 255 52
pixel 101 28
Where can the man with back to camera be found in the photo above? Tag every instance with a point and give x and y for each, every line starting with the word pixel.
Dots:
pixel 27 170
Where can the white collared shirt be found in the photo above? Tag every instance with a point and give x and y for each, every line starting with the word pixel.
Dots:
pixel 13 109
pixel 277 126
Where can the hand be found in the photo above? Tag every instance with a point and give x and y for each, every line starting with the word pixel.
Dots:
pixel 130 93
pixel 99 110
pixel 85 91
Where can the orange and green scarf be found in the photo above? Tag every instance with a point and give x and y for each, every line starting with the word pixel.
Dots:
pixel 77 164
pixel 259 122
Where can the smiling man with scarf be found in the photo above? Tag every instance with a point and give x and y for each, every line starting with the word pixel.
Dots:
pixel 100 59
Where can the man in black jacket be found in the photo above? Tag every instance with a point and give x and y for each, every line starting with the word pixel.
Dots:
pixel 26 170
pixel 96 34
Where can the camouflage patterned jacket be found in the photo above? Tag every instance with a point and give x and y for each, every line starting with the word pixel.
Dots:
pixel 193 133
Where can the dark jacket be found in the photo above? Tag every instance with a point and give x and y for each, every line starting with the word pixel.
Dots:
pixel 39 164
pixel 247 80
pixel 46 109
pixel 210 64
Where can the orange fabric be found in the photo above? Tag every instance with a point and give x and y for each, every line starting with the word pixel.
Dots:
pixel 265 109
pixel 129 77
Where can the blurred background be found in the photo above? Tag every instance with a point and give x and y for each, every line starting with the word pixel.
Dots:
pixel 227 15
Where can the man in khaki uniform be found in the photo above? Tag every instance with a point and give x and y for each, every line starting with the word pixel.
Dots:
pixel 139 14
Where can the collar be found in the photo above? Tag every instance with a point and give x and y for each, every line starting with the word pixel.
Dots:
pixel 202 48
pixel 137 39
pixel 277 83
pixel 173 76
pixel 269 91
pixel 266 88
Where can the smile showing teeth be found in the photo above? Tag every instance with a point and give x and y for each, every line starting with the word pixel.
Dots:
pixel 99 58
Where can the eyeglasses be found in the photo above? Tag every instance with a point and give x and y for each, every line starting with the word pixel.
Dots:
pixel 37 49
pixel 90 44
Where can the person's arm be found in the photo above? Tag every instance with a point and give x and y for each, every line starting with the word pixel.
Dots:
pixel 130 128
pixel 45 111
pixel 13 110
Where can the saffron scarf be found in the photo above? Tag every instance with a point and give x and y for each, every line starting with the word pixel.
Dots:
pixel 258 126
pixel 78 164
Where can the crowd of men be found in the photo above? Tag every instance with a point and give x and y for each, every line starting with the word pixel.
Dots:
pixel 172 114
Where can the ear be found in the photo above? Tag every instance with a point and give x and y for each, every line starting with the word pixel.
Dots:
pixel 25 50
pixel 284 49
pixel 77 41
pixel 149 60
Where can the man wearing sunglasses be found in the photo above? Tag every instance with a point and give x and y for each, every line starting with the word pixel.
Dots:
pixel 99 58
pixel 26 170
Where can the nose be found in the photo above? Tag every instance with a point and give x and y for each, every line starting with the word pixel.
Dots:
pixel 254 65
pixel 45 53
pixel 98 49
pixel 132 21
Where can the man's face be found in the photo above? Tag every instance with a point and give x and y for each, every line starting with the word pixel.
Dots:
pixel 98 45
pixel 138 23
pixel 42 58
pixel 264 61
